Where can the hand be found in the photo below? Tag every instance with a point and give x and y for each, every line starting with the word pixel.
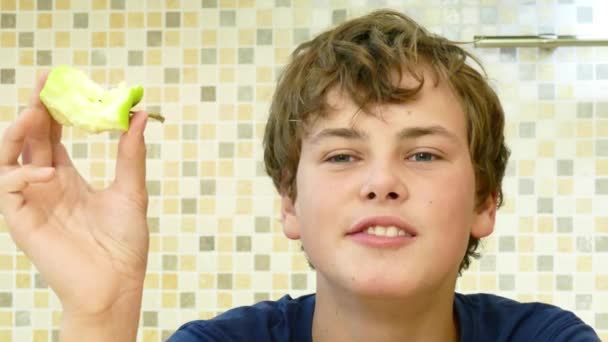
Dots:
pixel 90 246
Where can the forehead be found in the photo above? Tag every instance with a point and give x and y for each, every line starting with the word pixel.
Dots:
pixel 435 104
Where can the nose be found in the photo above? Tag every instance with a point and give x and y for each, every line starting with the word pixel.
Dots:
pixel 384 183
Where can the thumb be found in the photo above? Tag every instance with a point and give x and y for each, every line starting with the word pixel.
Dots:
pixel 131 157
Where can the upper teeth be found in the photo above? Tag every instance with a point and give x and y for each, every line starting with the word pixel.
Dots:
pixel 390 231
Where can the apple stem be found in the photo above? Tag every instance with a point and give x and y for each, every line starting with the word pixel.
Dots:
pixel 155 116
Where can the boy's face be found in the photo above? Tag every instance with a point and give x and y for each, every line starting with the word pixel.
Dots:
pixel 407 167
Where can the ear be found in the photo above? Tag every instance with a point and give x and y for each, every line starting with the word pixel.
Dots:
pixel 485 217
pixel 291 225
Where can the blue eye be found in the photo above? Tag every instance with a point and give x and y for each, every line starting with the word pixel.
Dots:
pixel 340 158
pixel 423 156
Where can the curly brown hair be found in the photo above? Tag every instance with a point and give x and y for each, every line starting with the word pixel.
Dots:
pixel 361 57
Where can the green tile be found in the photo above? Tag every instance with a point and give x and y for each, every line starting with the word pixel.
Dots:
pixel 224 281
pixel 172 19
pixel 207 187
pixel 243 243
pixel 8 20
pixel 44 58
pixel 154 38
pixel 189 206
pixel 150 318
pixel 169 263
pixel 187 300
pixel 80 20
pixel 262 262
pixel 207 94
pixel 7 76
pixel 136 57
pixel 44 5
pixel 6 300
pixel 262 224
pixel 26 39
pixel 206 243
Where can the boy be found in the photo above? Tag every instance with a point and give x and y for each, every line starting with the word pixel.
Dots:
pixel 388 153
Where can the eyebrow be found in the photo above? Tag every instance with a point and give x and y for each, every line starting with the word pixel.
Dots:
pixel 404 134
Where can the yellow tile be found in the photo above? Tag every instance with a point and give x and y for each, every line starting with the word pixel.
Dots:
pixel 545 298
pixel 584 130
pixel 207 131
pixel 227 56
pixel 281 55
pixel 487 282
pixel 545 282
pixel 246 3
pixel 564 244
pixel 8 5
pixel 190 20
pixel 226 112
pixel 189 224
pixel 264 17
pixel 170 187
pixel 190 112
pixel 23 281
pixel 169 281
pixel 226 168
pixel 170 206
pixel 154 57
pixel 27 5
pixel 601 224
pixel 45 21
pixel 207 169
pixel 601 282
pixel 98 75
pixel 6 335
pixel 135 20
pixel 98 169
pixel 242 281
pixel 603 335
pixel 244 188
pixel 209 37
pixel 171 169
pixel 41 336
pixel 564 92
pixel 189 150
pixel 584 263
pixel 62 4
pixel 172 4
pixel 224 300
pixel 264 93
pixel 304 18
pixel 80 57
pixel 584 205
pixel 171 94
pixel 62 39
pixel 56 319
pixel 584 148
pixel 525 244
pixel 224 244
pixel 41 299
pixel 206 281
pixel 546 148
pixel 172 38
pixel 243 206
pixel 279 243
pixel 545 224
pixel 117 20
pixel 8 39
pixel 100 4
pixel 117 39
pixel 190 75
pixel 151 335
pixel 169 300
pixel 6 319
pixel 226 75
pixel 154 20
pixel 225 225
pixel 546 72
pixel 468 282
pixel 280 281
pixel 154 243
pixel 246 37
pixel 263 74
pixel 564 186
pixel 6 262
pixel 601 167
pixel 601 128
pixel 227 4
pixel 244 150
pixel 23 263
pixel 190 56
pixel 187 263
pixel 152 281
pixel 98 150
pixel 245 112
pixel 282 37
pixel 299 263
pixel 169 244
pixel 117 76
pixel 171 132
pixel 224 263
pixel 206 206
pixel 26 57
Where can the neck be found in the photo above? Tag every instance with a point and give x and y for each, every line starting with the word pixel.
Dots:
pixel 339 316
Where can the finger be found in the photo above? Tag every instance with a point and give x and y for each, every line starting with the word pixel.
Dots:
pixel 19 178
pixel 39 127
pixel 12 142
pixel 26 155
pixel 61 156
pixel 131 156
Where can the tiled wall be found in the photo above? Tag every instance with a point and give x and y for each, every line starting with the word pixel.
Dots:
pixel 209 66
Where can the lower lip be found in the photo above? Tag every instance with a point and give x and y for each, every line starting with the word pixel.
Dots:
pixel 381 241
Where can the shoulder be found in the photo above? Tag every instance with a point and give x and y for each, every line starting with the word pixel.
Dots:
pixel 488 316
pixel 263 321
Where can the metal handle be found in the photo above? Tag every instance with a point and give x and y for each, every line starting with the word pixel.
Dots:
pixel 543 41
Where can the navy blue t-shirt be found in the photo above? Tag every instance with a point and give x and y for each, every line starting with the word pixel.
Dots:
pixel 481 317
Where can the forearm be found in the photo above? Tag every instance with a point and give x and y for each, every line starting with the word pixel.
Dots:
pixel 118 324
